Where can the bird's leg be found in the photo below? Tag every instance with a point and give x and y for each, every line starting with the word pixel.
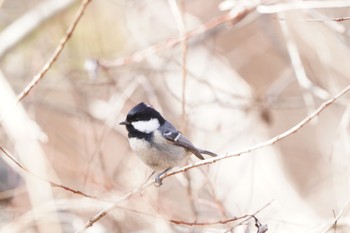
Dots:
pixel 158 180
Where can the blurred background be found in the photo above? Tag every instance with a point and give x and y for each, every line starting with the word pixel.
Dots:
pixel 229 74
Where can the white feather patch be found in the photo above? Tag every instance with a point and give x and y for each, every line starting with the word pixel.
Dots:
pixel 146 126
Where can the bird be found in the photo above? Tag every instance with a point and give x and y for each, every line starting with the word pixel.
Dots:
pixel 157 142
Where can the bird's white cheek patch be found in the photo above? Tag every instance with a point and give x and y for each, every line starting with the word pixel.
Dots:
pixel 146 126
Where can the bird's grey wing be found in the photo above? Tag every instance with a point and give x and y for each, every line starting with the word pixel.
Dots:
pixel 174 136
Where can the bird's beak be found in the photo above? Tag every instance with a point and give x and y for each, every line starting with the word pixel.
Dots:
pixel 124 123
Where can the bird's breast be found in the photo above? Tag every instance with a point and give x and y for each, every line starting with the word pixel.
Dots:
pixel 158 154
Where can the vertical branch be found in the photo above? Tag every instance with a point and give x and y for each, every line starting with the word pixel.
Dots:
pixel 183 67
pixel 298 66
pixel 190 195
pixel 178 11
pixel 25 134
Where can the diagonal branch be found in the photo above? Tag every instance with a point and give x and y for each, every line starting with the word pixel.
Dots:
pixel 36 79
pixel 231 18
pixel 53 184
pixel 112 206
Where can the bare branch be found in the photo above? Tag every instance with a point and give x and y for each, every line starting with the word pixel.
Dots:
pixel 27 23
pixel 338 19
pixel 36 79
pixel 298 5
pixel 230 17
pixel 114 205
pixel 225 221
pixel 178 11
pixel 53 184
pixel 336 219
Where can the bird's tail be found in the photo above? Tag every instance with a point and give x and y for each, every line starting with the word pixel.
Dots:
pixel 207 153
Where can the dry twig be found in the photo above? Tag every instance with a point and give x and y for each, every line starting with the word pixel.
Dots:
pixel 103 212
pixel 333 224
pixel 53 184
pixel 230 17
pixel 36 79
pixel 224 221
pixel 299 5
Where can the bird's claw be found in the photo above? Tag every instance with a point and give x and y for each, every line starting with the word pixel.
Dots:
pixel 158 181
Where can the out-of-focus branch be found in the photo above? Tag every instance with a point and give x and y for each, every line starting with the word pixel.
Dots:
pixel 232 17
pixel 53 184
pixel 103 212
pixel 178 12
pixel 308 87
pixel 337 19
pixel 56 53
pixel 27 23
pixel 298 67
pixel 299 5
pixel 24 134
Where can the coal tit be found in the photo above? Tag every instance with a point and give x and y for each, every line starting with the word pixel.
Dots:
pixel 156 141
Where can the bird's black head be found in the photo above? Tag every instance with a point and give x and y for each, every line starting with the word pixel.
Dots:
pixel 142 119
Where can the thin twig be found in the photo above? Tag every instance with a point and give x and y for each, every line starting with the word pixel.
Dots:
pixel 114 205
pixel 232 18
pixel 298 66
pixel 53 184
pixel 224 221
pixel 179 16
pixel 336 219
pixel 299 5
pixel 308 86
pixel 36 79
pixel 337 19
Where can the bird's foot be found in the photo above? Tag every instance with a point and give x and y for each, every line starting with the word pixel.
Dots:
pixel 158 180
